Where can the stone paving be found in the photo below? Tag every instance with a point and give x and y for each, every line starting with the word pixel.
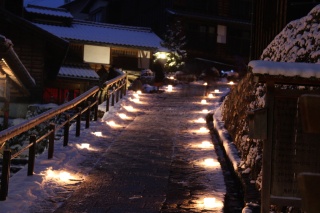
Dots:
pixel 154 165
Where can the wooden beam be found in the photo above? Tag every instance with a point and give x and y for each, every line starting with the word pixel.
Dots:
pixel 267 151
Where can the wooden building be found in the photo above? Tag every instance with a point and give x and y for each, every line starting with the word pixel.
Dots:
pixel 39 51
pixel 217 32
pixel 63 61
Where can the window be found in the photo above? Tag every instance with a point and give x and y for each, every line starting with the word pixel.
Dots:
pixel 222 34
pixel 143 59
pixel 202 29
pixel 96 54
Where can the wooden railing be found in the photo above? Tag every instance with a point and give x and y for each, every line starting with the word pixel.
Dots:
pixel 85 104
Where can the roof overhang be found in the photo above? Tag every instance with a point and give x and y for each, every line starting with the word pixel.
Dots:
pixel 294 73
pixel 78 72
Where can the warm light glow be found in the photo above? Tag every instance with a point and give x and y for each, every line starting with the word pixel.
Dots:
pixel 205 111
pixel 203 101
pixel 209 202
pixel 85 146
pixel 139 92
pixel 216 91
pixel 129 108
pixel 171 77
pixel 136 95
pixel 136 100
pixel 58 175
pixel 50 174
pixel 203 129
pixel 210 96
pixel 169 88
pixel 64 176
pixel 205 83
pixel 231 83
pixel 161 55
pixel 98 134
pixel 122 115
pixel 211 162
pixel 206 144
pixel 200 120
pixel 111 123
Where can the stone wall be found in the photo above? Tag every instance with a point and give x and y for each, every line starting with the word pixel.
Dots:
pixel 244 97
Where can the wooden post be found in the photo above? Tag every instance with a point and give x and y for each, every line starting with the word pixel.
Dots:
pixel 51 141
pixel 100 96
pixel 88 115
pixel 107 102
pixel 117 95
pixel 121 92
pixel 32 154
pixel 96 108
pixel 66 131
pixel 6 106
pixel 267 151
pixel 112 98
pixel 78 124
pixel 5 174
pixel 125 86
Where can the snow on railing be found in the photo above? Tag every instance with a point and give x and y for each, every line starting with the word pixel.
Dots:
pixel 113 89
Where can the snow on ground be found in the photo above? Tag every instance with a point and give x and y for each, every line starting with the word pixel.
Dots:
pixel 55 179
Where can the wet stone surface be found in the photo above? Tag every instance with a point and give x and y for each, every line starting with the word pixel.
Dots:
pixel 154 166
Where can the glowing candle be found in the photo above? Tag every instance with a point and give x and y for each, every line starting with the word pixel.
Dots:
pixel 136 95
pixel 111 123
pixel 129 108
pixel 206 144
pixel 85 146
pixel 64 176
pixel 122 115
pixel 99 134
pixel 200 120
pixel 203 129
pixel 210 96
pixel 205 111
pixel 209 202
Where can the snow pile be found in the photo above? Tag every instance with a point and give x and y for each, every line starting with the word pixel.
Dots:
pixel 229 146
pixel 299 41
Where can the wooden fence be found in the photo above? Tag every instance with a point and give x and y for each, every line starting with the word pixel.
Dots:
pixel 85 104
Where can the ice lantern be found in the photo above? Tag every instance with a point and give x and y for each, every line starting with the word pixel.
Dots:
pixel 258 124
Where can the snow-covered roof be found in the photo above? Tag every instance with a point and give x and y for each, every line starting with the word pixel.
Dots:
pixel 60 12
pixel 102 33
pixel 46 3
pixel 288 69
pixel 77 72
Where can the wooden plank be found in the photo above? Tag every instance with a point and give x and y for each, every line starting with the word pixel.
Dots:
pixel 267 154
pixel 285 201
